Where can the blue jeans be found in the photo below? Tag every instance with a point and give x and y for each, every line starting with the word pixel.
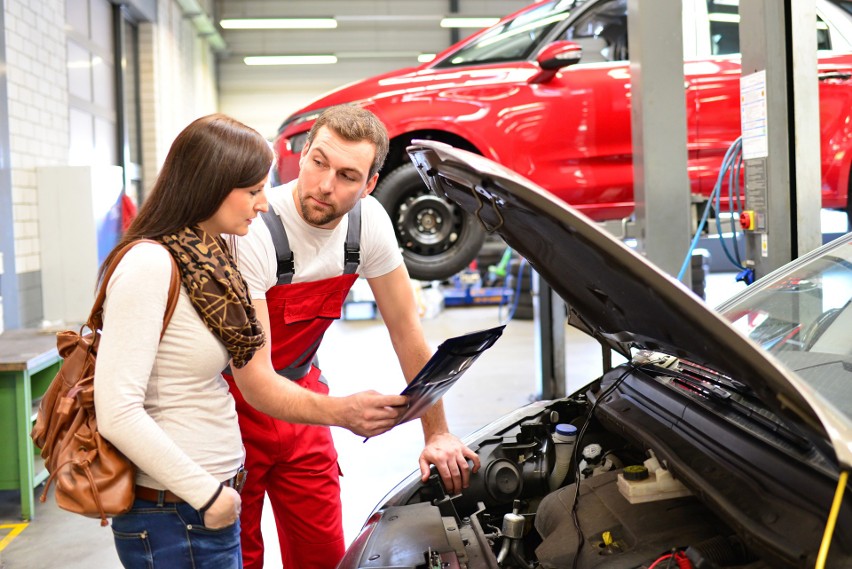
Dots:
pixel 152 536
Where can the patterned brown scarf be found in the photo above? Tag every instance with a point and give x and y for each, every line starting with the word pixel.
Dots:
pixel 217 290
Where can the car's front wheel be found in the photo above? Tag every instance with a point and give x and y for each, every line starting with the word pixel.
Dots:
pixel 438 239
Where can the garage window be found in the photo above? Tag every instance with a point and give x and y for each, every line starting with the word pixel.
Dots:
pixel 724 22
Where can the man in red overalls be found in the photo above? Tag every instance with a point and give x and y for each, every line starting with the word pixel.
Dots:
pixel 322 232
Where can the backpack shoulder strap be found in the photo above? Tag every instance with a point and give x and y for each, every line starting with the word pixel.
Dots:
pixel 283 253
pixel 174 295
pixel 96 315
pixel 352 246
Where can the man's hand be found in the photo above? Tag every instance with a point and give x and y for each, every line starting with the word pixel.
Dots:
pixel 370 413
pixel 449 455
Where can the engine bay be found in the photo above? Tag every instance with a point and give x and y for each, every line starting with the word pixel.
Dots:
pixel 513 518
pixel 563 485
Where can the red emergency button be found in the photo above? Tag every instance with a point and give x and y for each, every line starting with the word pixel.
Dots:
pixel 747 220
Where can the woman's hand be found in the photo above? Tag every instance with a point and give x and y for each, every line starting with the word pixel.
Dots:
pixel 225 510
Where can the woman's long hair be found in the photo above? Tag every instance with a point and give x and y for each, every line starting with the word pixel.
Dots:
pixel 207 160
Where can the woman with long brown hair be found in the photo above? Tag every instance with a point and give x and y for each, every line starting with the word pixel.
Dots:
pixel 161 399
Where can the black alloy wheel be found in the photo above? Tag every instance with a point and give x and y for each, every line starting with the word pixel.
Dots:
pixel 437 238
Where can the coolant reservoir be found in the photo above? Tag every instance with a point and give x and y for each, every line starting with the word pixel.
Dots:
pixel 649 482
pixel 564 437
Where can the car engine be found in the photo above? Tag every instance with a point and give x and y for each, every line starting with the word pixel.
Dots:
pixel 607 502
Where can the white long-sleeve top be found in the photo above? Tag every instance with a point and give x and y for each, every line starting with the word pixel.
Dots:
pixel 164 404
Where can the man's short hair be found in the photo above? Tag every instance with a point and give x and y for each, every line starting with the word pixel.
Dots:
pixel 355 124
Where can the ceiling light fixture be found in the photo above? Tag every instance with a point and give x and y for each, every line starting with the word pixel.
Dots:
pixel 425 57
pixel 388 54
pixel 723 17
pixel 458 22
pixel 278 23
pixel 290 60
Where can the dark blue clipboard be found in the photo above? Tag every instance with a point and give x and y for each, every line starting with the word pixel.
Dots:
pixel 449 362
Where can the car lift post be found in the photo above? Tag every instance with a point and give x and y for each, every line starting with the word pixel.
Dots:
pixel 782 170
pixel 661 182
pixel 661 186
pixel 549 311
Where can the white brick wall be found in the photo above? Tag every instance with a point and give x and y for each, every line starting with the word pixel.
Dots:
pixel 178 84
pixel 38 111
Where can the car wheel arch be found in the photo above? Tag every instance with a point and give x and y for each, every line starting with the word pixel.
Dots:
pixel 397 155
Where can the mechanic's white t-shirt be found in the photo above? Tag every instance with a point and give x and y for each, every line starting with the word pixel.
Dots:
pixel 318 253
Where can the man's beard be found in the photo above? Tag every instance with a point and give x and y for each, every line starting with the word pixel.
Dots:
pixel 317 217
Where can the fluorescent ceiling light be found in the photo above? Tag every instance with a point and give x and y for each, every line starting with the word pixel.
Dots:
pixel 290 60
pixel 278 23
pixel 425 57
pixel 385 18
pixel 468 22
pixel 377 54
pixel 723 17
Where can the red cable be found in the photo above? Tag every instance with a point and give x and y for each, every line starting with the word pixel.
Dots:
pixel 681 560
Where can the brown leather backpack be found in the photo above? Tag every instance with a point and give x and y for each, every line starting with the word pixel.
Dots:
pixel 92 477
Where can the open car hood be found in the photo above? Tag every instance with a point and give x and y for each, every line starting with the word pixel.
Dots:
pixel 611 291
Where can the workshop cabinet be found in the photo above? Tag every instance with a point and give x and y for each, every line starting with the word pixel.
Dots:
pixel 28 363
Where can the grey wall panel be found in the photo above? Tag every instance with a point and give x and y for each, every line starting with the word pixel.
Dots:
pixel 30 299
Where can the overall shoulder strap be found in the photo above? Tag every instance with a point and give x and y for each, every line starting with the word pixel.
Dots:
pixel 286 264
pixel 352 246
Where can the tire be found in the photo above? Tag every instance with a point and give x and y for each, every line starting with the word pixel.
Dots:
pixel 437 238
pixel 700 267
pixel 518 270
pixel 524 312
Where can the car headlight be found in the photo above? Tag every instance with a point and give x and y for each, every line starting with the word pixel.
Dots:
pixel 355 551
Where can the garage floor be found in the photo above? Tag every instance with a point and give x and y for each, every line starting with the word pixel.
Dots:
pixel 501 380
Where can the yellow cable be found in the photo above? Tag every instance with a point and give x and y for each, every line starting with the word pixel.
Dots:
pixel 832 519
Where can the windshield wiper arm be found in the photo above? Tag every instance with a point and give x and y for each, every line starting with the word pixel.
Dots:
pixel 720 395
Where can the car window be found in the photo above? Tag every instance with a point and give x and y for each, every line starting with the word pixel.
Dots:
pixel 602 33
pixel 808 310
pixel 723 19
pixel 513 40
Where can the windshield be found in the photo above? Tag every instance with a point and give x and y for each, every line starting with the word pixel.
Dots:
pixel 803 316
pixel 513 40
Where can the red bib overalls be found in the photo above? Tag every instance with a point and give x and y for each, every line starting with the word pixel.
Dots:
pixel 296 465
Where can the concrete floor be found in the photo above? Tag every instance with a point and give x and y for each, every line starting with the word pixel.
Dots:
pixel 357 356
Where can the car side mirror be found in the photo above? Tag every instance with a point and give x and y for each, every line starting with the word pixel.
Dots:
pixel 554 57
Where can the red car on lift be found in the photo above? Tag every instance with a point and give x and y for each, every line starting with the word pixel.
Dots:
pixel 546 92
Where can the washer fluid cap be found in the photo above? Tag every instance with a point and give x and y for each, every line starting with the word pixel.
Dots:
pixel 566 429
pixel 635 472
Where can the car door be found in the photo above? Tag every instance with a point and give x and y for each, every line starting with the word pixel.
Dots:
pixel 590 153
